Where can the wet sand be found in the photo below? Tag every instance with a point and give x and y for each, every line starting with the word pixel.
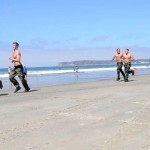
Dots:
pixel 102 115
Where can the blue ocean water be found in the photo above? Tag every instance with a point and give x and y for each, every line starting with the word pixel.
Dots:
pixel 56 75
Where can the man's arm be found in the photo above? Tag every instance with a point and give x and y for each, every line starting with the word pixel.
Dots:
pixel 114 57
pixel 132 57
pixel 123 58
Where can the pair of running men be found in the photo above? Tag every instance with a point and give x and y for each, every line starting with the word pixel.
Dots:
pixel 126 59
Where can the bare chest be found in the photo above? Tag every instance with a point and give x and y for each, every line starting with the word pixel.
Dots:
pixel 127 56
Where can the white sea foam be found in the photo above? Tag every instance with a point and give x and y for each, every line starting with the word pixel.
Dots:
pixel 4 75
pixel 69 71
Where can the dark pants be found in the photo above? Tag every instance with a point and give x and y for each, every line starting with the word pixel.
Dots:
pixel 119 69
pixel 127 70
pixel 1 84
pixel 18 71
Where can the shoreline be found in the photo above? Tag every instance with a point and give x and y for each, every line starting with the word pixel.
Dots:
pixel 69 84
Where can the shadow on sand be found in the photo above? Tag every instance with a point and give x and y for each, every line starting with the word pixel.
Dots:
pixel 4 94
pixel 33 90
pixel 29 91
pixel 128 80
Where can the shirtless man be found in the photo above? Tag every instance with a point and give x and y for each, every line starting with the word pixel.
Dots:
pixel 127 58
pixel 18 69
pixel 119 59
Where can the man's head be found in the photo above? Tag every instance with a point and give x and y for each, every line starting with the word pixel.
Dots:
pixel 127 51
pixel 118 50
pixel 15 45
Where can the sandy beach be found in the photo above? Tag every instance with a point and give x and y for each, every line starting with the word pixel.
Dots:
pixel 102 115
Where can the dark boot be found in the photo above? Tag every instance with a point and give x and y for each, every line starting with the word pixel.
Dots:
pixel 118 74
pixel 17 89
pixel 118 79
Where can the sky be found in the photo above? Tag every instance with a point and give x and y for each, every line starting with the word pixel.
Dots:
pixel 53 31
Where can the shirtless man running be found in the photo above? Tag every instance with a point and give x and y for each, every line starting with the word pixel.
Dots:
pixel 18 69
pixel 127 58
pixel 119 59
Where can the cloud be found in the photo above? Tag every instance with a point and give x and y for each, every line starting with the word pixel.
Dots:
pixel 100 38
pixel 39 41
pixel 64 41
pixel 73 39
pixel 5 45
pixel 35 44
pixel 56 42
pixel 131 36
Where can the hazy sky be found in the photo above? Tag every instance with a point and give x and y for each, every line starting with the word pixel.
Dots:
pixel 51 31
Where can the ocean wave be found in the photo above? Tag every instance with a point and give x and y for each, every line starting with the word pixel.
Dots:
pixel 4 75
pixel 69 71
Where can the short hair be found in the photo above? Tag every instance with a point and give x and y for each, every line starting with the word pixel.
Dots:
pixel 16 43
pixel 127 49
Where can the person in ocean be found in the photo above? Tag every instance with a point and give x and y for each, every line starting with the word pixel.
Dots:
pixel 119 59
pixel 76 69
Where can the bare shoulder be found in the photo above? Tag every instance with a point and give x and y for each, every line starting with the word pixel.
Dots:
pixel 131 55
pixel 18 52
pixel 124 55
pixel 115 55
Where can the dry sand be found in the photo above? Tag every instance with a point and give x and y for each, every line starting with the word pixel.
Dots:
pixel 103 115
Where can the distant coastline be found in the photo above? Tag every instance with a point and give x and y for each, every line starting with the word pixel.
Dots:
pixel 99 62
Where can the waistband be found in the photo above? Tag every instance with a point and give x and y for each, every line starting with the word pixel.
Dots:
pixel 19 66
pixel 128 63
pixel 119 62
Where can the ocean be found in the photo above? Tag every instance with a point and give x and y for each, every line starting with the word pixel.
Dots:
pixel 56 75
